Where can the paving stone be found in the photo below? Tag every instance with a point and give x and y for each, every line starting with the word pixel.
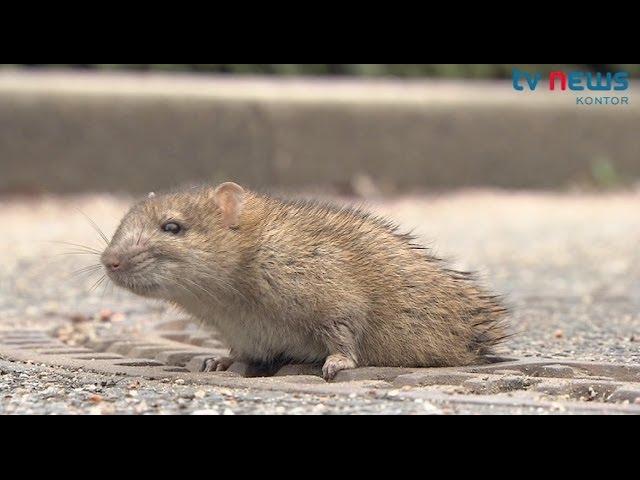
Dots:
pixel 300 378
pixel 622 394
pixel 33 338
pixel 519 402
pixel 138 362
pixel 41 346
pixel 479 385
pixel 29 341
pixel 124 347
pixel 626 394
pixel 388 374
pixel 179 358
pixel 52 347
pixel 300 369
pixel 101 344
pixel 428 378
pixel 99 356
pixel 150 352
pixel 494 384
pixel 619 372
pixel 590 390
pixel 551 387
pixel 508 372
pixel 176 370
pixel 176 336
pixel 65 351
pixel 556 371
pixel 22 333
pixel 509 383
pixel 581 389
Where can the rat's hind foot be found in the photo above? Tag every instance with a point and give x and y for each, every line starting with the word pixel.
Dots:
pixel 336 363
pixel 218 364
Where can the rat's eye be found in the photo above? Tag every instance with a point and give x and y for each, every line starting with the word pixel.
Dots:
pixel 172 227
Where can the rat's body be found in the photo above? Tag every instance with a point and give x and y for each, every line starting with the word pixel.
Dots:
pixel 303 282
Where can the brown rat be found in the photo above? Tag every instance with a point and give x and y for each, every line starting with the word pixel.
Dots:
pixel 298 281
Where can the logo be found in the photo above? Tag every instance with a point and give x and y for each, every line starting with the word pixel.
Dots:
pixel 589 85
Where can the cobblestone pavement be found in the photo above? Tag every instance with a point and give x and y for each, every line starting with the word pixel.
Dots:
pixel 568 264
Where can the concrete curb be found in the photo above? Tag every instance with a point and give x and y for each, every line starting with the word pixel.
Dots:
pixel 63 132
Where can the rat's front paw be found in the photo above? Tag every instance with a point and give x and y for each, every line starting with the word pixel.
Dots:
pixel 218 364
pixel 334 364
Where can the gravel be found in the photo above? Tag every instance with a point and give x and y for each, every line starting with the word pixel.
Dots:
pixel 39 390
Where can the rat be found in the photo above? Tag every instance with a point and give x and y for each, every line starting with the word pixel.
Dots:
pixel 299 281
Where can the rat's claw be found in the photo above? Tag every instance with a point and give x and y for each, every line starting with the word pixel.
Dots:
pixel 334 364
pixel 217 364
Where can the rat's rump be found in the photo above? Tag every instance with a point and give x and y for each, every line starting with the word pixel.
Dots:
pixel 316 267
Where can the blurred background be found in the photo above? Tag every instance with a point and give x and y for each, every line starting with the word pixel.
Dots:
pixel 537 193
pixel 349 128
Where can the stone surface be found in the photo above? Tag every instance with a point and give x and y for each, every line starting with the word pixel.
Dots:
pixel 371 373
pixel 125 346
pixel 314 370
pixel 557 371
pixel 179 358
pixel 626 394
pixel 423 378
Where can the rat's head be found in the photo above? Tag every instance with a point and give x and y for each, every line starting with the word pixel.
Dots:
pixel 170 244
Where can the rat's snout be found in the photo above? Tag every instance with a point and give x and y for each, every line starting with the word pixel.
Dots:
pixel 114 261
pixel 131 267
pixel 119 260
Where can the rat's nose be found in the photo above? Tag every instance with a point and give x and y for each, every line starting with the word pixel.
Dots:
pixel 112 261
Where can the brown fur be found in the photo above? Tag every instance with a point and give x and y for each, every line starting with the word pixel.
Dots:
pixel 305 282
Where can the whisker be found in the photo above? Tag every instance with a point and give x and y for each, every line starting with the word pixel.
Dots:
pixel 88 268
pixel 83 247
pixel 225 284
pixel 104 290
pixel 95 227
pixel 177 283
pixel 97 284
pixel 88 275
pixel 83 271
pixel 209 292
pixel 76 253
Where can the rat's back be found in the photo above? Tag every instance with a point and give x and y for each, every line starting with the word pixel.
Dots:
pixel 321 268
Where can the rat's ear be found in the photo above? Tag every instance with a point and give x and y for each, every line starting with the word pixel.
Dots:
pixel 229 198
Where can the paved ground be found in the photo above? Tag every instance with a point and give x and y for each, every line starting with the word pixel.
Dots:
pixel 29 390
pixel 568 263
